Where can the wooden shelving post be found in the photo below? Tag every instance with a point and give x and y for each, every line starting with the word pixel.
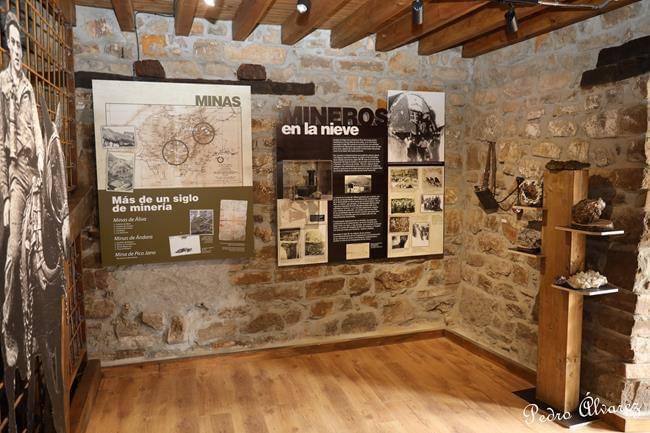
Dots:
pixel 560 312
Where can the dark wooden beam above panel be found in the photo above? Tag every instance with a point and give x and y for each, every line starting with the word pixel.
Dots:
pixel 547 21
pixel 477 24
pixel 436 15
pixel 366 20
pixel 84 79
pixel 184 12
pixel 248 16
pixel 124 13
pixel 298 25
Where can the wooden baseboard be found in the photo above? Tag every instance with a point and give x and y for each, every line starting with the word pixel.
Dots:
pixel 526 373
pixel 158 366
pixel 84 397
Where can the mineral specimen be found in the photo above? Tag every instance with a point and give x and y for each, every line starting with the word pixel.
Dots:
pixel 587 280
pixel 529 239
pixel 530 193
pixel 566 165
pixel 588 211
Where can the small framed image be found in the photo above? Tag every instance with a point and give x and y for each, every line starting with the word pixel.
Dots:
pixel 118 137
pixel 431 203
pixel 120 171
pixel 184 245
pixel 201 221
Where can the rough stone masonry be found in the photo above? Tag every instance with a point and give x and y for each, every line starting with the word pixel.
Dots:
pixel 525 97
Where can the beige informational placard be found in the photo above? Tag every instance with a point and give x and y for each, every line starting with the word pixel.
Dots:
pixel 174 171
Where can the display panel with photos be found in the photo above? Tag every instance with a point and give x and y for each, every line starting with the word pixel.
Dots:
pixel 415 211
pixel 377 190
pixel 174 171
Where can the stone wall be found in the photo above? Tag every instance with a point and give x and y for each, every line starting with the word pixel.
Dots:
pixel 527 98
pixel 186 309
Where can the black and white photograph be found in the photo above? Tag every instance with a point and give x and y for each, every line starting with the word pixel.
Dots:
pixel 315 242
pixel 358 184
pixel 290 235
pixel 307 180
pixel 398 224
pixel 433 178
pixel 201 221
pixel 399 242
pixel 431 203
pixel 420 234
pixel 184 245
pixel 403 178
pixel 402 205
pixel 117 137
pixel 120 171
pixel 416 122
pixel 289 244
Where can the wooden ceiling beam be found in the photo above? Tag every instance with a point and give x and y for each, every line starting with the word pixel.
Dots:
pixel 477 24
pixel 547 21
pixel 184 12
pixel 366 20
pixel 124 13
pixel 436 15
pixel 298 25
pixel 248 16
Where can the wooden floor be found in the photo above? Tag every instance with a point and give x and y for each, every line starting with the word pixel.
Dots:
pixel 432 386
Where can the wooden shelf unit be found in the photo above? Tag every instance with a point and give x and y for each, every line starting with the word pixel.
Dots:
pixel 561 307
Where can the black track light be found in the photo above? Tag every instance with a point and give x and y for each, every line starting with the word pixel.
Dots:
pixel 512 26
pixel 417 10
pixel 303 6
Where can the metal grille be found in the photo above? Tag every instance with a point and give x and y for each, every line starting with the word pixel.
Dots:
pixel 75 315
pixel 48 63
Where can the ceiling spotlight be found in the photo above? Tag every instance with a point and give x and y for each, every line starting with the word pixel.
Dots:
pixel 512 26
pixel 303 6
pixel 417 10
pixel 209 3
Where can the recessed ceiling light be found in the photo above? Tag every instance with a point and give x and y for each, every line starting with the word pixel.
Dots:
pixel 209 3
pixel 303 6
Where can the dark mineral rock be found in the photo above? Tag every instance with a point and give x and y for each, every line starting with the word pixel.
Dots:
pixel 566 165
pixel 529 239
pixel 588 211
pixel 250 72
pixel 149 69
pixel 531 193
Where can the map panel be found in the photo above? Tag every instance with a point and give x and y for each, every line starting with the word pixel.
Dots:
pixel 181 145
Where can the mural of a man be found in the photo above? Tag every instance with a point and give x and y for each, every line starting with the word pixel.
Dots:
pixel 35 224
pixel 22 167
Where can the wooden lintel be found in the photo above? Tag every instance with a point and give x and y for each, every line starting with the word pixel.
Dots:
pixel 298 25
pixel 248 16
pixel 547 21
pixel 436 15
pixel 366 20
pixel 184 13
pixel 125 14
pixel 477 24
pixel 83 80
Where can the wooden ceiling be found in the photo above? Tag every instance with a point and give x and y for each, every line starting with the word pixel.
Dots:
pixel 477 25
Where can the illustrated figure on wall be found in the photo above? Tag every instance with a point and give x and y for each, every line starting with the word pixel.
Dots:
pixel 35 226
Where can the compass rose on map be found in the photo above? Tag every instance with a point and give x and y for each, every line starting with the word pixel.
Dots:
pixel 175 152
pixel 203 133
